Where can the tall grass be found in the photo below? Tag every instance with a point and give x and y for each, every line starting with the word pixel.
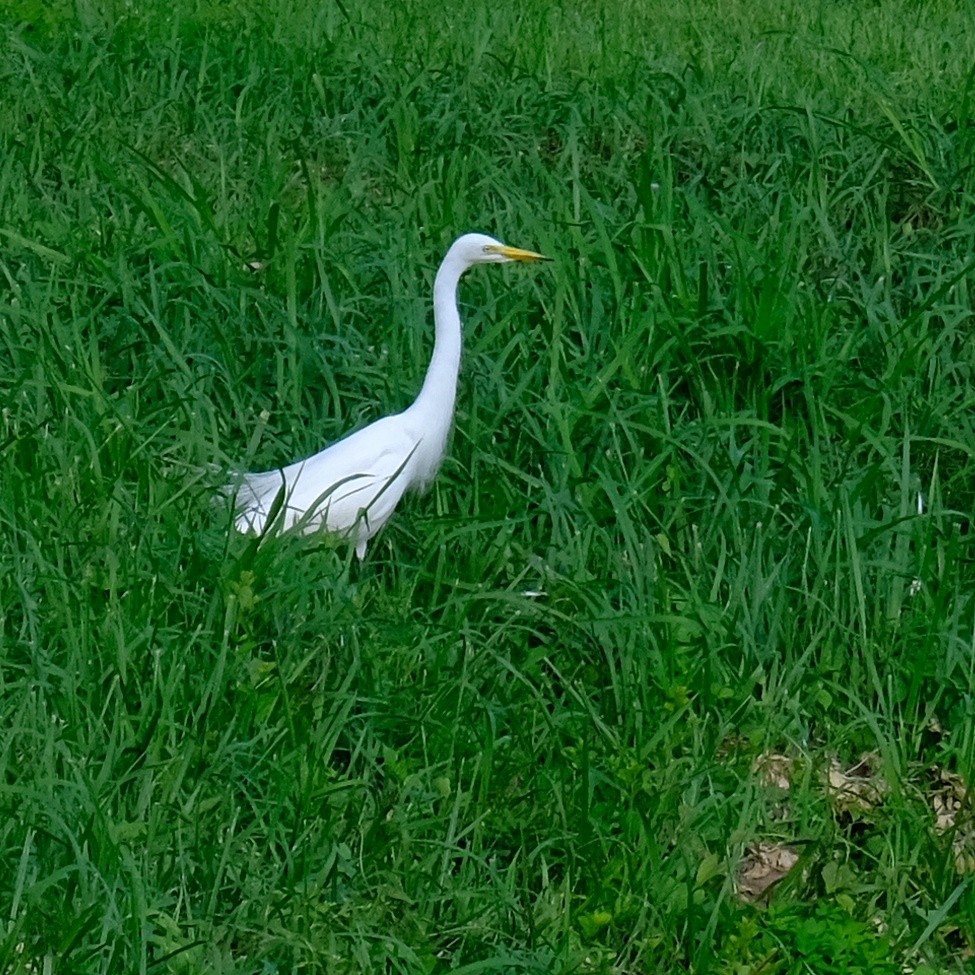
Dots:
pixel 708 497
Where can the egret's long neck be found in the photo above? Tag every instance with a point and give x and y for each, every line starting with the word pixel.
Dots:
pixel 435 403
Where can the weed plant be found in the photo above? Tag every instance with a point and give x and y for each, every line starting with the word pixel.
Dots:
pixel 708 499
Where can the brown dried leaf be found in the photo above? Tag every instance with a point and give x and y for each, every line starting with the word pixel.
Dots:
pixel 949 799
pixel 859 788
pixel 774 770
pixel 762 866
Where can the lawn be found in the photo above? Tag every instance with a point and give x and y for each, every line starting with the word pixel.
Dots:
pixel 673 669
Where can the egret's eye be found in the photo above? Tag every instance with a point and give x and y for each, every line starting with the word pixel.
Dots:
pixel 487 249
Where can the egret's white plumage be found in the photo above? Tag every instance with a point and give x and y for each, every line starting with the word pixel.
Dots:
pixel 352 487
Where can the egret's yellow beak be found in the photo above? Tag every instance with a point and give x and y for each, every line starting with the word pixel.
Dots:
pixel 517 254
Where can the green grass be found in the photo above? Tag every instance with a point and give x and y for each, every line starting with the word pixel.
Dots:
pixel 678 527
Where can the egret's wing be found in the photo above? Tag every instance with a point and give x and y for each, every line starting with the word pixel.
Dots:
pixel 353 486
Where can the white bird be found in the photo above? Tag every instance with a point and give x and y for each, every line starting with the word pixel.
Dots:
pixel 352 487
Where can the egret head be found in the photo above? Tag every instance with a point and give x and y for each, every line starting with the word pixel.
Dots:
pixel 481 249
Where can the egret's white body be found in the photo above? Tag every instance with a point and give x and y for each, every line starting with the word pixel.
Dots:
pixel 352 487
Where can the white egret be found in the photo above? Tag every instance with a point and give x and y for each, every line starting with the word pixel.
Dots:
pixel 352 487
